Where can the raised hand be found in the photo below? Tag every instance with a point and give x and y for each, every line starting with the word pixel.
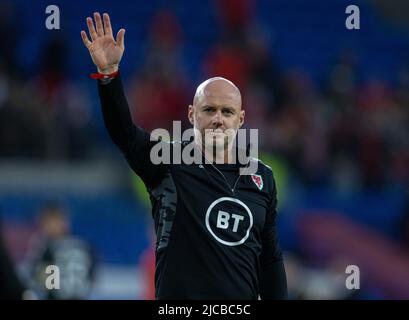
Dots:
pixel 106 53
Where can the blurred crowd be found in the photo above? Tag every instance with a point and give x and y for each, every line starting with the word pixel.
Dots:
pixel 43 114
pixel 348 131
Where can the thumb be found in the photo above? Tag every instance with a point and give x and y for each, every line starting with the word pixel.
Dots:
pixel 120 38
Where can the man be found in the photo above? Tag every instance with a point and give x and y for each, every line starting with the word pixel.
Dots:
pixel 55 245
pixel 216 229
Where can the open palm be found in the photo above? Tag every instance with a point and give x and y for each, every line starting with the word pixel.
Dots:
pixel 106 53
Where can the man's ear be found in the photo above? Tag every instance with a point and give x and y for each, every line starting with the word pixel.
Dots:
pixel 242 115
pixel 190 114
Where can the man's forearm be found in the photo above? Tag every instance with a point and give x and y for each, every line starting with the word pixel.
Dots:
pixel 117 117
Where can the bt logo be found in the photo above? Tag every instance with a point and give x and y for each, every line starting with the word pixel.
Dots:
pixel 224 217
pixel 229 221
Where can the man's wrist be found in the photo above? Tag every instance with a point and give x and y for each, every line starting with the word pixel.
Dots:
pixel 109 70
pixel 105 76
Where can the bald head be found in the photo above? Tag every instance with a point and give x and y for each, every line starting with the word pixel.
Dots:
pixel 216 114
pixel 217 89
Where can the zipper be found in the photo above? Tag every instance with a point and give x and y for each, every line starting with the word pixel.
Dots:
pixel 227 183
pixel 224 178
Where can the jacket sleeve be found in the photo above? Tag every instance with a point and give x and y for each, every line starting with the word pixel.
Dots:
pixel 273 279
pixel 132 140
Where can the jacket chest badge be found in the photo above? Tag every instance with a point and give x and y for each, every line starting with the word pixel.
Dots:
pixel 258 181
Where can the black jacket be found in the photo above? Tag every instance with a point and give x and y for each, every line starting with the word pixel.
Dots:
pixel 216 234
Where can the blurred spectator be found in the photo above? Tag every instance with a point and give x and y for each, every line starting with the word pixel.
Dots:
pixel 266 77
pixel 228 58
pixel 54 245
pixel 66 114
pixel 235 16
pixel 159 93
pixel 343 79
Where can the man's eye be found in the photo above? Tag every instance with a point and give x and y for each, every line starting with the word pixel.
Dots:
pixel 228 111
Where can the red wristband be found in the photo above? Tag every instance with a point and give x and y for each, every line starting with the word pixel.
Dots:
pixel 104 76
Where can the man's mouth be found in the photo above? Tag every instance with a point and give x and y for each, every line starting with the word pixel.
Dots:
pixel 215 132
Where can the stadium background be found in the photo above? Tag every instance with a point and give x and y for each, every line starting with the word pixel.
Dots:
pixel 331 106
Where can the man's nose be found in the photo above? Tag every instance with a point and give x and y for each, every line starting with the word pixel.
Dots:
pixel 218 119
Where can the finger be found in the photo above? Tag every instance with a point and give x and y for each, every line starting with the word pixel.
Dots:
pixel 85 39
pixel 120 38
pixel 98 23
pixel 107 24
pixel 91 29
